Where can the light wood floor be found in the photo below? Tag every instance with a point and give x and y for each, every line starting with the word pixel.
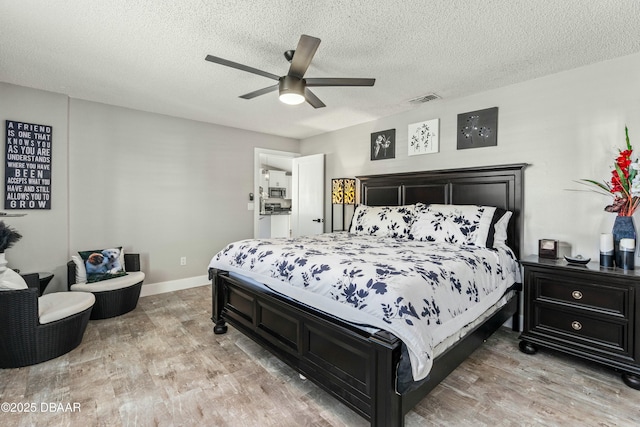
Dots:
pixel 162 365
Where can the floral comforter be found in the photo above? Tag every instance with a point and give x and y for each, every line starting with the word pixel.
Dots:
pixel 422 292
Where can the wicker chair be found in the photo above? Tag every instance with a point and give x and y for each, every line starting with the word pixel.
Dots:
pixel 112 302
pixel 24 340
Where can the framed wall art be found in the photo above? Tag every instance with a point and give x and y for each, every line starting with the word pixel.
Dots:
pixel 424 137
pixel 478 128
pixel 383 145
pixel 27 166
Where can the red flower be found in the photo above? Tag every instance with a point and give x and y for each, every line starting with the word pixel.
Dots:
pixel 616 185
pixel 623 161
pixel 625 196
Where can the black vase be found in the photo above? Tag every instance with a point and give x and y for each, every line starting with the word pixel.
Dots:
pixel 623 228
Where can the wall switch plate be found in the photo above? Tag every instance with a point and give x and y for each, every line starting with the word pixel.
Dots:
pixel 183 260
pixel 250 206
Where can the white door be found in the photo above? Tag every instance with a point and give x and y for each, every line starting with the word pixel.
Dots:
pixel 307 202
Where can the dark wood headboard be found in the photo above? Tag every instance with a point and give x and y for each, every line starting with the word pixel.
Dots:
pixel 499 186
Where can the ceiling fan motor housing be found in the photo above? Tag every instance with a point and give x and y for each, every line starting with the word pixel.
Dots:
pixel 291 86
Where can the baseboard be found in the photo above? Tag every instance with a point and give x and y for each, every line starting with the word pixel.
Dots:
pixel 174 285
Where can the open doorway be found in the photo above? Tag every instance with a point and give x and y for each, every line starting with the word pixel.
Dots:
pixel 273 192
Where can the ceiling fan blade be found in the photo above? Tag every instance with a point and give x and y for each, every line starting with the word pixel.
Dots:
pixel 339 82
pixel 313 99
pixel 303 55
pixel 259 92
pixel 241 67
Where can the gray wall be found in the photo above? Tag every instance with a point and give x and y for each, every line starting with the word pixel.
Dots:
pixel 43 246
pixel 568 126
pixel 157 185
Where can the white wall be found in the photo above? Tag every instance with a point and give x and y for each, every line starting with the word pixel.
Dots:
pixel 568 126
pixel 161 186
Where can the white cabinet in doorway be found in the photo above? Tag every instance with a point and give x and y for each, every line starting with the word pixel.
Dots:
pixel 280 226
pixel 277 179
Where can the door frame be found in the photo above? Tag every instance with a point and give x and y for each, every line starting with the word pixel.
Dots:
pixel 256 181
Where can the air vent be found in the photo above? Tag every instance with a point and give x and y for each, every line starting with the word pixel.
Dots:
pixel 424 98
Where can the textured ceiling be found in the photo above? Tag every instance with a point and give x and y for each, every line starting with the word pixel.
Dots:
pixel 149 55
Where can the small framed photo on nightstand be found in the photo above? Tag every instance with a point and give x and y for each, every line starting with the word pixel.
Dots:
pixel 553 249
pixel 548 248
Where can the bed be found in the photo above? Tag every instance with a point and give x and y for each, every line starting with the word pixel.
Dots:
pixel 358 361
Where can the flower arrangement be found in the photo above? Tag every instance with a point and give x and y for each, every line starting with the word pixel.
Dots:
pixel 8 236
pixel 625 183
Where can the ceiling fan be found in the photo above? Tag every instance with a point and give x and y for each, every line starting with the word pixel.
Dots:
pixel 294 88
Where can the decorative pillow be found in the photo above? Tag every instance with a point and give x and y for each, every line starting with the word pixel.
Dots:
pixel 12 281
pixel 500 228
pixel 102 264
pixel 81 272
pixel 459 224
pixel 383 221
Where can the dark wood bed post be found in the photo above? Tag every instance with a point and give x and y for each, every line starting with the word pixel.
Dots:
pixel 387 404
pixel 220 326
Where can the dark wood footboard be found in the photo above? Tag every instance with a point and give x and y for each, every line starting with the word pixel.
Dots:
pixel 355 367
pixel 350 364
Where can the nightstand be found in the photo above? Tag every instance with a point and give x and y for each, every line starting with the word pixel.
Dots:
pixel 586 311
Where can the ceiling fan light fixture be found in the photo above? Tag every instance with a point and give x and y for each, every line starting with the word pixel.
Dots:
pixel 291 98
pixel 291 90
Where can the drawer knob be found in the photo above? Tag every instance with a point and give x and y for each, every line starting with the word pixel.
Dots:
pixel 576 325
pixel 576 295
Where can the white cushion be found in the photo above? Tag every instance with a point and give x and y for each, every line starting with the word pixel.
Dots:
pixel 130 279
pixel 12 281
pixel 58 305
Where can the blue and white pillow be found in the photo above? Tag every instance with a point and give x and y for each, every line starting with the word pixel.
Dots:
pixel 383 221
pixel 458 224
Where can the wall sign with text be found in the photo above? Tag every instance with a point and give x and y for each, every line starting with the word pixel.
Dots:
pixel 28 166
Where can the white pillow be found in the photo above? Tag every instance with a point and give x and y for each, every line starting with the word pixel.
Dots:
pixel 12 281
pixel 81 271
pixel 500 226
pixel 122 259
pixel 459 224
pixel 383 221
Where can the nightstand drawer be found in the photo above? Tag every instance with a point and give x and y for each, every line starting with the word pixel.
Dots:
pixel 581 293
pixel 582 328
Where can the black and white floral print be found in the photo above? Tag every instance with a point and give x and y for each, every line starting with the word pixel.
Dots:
pixel 420 291
pixel 383 221
pixel 459 224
